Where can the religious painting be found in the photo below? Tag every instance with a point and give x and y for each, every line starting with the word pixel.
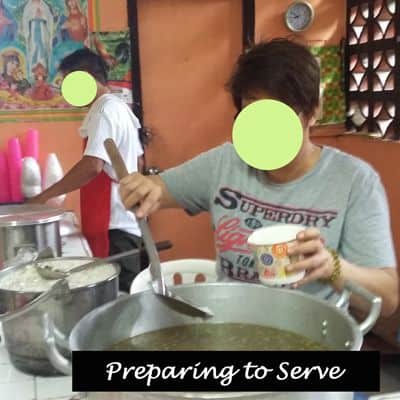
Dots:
pixel 35 35
pixel 115 49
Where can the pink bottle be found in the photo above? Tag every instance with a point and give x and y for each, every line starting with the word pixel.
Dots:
pixel 31 147
pixel 5 195
pixel 15 169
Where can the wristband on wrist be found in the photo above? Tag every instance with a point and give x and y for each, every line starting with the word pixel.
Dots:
pixel 337 267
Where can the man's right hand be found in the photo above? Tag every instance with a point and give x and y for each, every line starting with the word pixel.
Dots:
pixel 142 193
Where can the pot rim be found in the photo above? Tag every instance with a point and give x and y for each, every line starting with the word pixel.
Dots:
pixel 10 269
pixel 357 339
pixel 38 215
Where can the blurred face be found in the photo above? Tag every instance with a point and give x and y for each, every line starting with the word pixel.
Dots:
pixel 306 122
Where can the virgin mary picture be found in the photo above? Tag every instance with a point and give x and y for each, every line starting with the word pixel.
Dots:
pixel 38 30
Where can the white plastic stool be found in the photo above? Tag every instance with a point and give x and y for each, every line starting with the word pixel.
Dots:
pixel 184 270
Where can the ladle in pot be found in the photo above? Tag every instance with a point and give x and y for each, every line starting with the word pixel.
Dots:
pixel 45 253
pixel 158 283
pixel 50 273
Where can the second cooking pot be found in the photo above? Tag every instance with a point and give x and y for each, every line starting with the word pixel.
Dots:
pixel 22 315
pixel 30 227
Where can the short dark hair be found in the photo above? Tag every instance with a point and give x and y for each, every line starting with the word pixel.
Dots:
pixel 88 61
pixel 284 70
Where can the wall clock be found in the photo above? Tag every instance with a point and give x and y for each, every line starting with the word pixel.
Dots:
pixel 299 16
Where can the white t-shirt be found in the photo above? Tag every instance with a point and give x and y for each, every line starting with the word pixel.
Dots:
pixel 110 117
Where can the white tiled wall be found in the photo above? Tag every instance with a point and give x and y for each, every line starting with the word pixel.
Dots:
pixel 15 385
pixel 54 388
pixel 18 390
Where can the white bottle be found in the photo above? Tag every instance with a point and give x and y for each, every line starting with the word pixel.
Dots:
pixel 31 180
pixel 53 172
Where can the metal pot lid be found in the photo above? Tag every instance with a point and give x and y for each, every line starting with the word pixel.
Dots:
pixel 28 214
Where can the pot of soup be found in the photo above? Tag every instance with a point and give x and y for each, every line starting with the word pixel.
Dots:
pixel 247 317
pixel 26 300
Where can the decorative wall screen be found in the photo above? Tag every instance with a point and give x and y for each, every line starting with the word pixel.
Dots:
pixel 373 67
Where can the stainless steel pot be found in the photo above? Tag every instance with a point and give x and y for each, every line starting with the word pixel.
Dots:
pixel 22 315
pixel 231 302
pixel 28 227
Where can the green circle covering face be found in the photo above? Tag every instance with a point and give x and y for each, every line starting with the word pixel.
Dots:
pixel 79 88
pixel 267 135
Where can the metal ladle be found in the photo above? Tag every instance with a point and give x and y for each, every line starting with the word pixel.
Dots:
pixel 48 272
pixel 158 283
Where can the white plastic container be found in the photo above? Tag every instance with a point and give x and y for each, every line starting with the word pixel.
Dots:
pixel 31 180
pixel 270 245
pixel 53 173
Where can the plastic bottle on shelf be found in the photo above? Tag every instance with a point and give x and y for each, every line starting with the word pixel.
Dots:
pixel 31 147
pixel 14 169
pixel 31 178
pixel 5 194
pixel 53 172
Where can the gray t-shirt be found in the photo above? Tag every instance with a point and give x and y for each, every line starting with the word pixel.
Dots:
pixel 342 196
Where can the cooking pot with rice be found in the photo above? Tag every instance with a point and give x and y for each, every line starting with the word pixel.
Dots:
pixel 26 300
pixel 144 321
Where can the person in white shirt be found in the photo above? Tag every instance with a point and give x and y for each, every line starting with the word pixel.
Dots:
pixel 107 225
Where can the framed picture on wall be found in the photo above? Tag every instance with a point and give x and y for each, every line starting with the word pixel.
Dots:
pixel 115 49
pixel 35 35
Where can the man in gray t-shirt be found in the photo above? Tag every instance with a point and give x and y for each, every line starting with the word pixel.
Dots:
pixel 338 198
pixel 342 196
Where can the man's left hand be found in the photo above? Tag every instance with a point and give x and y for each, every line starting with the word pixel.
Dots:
pixel 315 259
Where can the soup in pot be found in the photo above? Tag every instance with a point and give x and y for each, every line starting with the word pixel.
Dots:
pixel 220 336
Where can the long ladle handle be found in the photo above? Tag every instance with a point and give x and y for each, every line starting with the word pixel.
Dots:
pixel 119 167
pixel 116 159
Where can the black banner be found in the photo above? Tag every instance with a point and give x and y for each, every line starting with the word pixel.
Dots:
pixel 222 371
pixel 142 371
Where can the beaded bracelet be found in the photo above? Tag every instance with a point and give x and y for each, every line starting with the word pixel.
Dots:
pixel 337 266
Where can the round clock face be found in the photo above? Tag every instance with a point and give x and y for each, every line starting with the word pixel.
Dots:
pixel 299 16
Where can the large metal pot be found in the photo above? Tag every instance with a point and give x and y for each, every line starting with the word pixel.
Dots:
pixel 28 227
pixel 231 302
pixel 22 315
